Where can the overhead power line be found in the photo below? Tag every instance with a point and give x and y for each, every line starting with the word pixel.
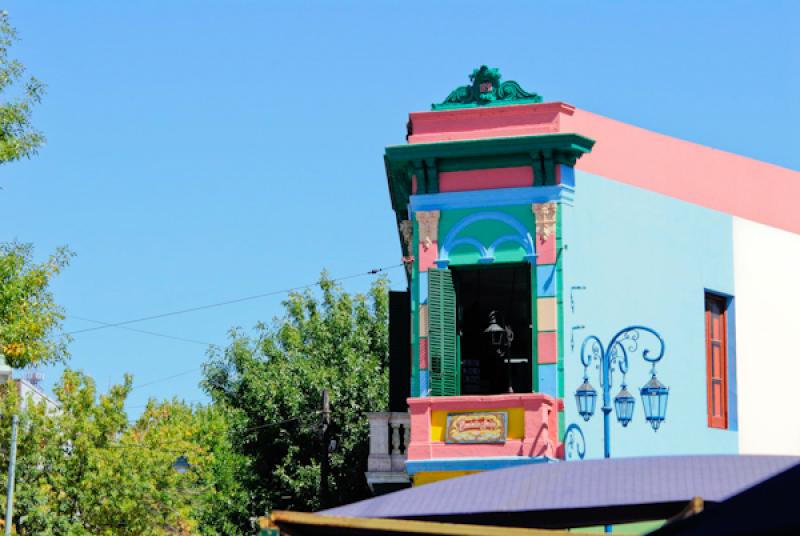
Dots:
pixel 165 378
pixel 124 324
pixel 106 325
pixel 143 331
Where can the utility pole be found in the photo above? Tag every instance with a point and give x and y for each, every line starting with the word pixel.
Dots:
pixel 325 425
pixel 12 462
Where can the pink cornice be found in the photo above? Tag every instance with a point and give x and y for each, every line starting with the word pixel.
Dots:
pixel 490 122
pixel 457 403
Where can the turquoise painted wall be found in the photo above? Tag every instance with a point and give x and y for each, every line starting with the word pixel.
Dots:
pixel 645 258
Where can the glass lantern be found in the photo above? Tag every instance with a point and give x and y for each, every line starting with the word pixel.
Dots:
pixel 496 332
pixel 654 400
pixel 624 404
pixel 586 398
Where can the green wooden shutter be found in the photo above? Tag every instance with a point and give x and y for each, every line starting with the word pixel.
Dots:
pixel 445 369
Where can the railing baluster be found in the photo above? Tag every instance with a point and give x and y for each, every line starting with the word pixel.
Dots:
pixel 399 422
pixel 395 437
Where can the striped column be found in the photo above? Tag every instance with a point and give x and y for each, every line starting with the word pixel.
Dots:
pixel 426 252
pixel 547 324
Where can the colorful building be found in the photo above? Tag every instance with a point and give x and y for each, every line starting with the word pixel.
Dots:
pixel 528 226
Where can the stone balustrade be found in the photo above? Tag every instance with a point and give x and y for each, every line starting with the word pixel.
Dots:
pixel 389 435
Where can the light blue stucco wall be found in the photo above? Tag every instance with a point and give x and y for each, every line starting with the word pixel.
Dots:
pixel 644 258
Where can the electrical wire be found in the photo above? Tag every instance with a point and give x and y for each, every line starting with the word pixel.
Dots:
pixel 143 331
pixel 123 325
pixel 228 302
pixel 165 378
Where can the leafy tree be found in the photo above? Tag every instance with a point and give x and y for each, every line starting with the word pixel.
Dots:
pixel 219 502
pixel 272 382
pixel 30 320
pixel 18 138
pixel 86 470
pixel 28 316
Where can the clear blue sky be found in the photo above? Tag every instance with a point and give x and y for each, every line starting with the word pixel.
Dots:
pixel 204 151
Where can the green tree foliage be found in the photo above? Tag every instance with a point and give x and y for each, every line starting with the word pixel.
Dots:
pixel 86 470
pixel 30 320
pixel 18 138
pixel 272 383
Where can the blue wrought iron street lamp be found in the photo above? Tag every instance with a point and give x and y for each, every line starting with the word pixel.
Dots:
pixel 654 393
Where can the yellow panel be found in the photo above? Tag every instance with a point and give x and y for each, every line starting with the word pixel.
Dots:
pixel 516 422
pixel 435 476
pixel 546 314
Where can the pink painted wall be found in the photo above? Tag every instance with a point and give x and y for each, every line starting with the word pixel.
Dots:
pixel 541 426
pixel 485 179
pixel 547 347
pixel 427 255
pixel 695 173
pixel 546 250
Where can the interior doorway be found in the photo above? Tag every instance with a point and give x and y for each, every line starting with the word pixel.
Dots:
pixel 506 289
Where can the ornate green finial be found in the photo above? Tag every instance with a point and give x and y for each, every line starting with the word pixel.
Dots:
pixel 486 90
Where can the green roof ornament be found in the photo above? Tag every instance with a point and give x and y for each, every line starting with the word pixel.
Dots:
pixel 486 90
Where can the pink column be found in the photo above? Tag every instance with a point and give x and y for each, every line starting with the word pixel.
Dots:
pixel 420 443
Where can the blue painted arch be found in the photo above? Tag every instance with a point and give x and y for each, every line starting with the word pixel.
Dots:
pixel 520 236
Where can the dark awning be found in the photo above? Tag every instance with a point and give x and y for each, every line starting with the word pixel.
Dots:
pixel 768 508
pixel 572 494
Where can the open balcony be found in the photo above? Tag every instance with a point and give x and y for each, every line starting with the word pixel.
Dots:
pixel 530 431
pixel 456 435
pixel 444 436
